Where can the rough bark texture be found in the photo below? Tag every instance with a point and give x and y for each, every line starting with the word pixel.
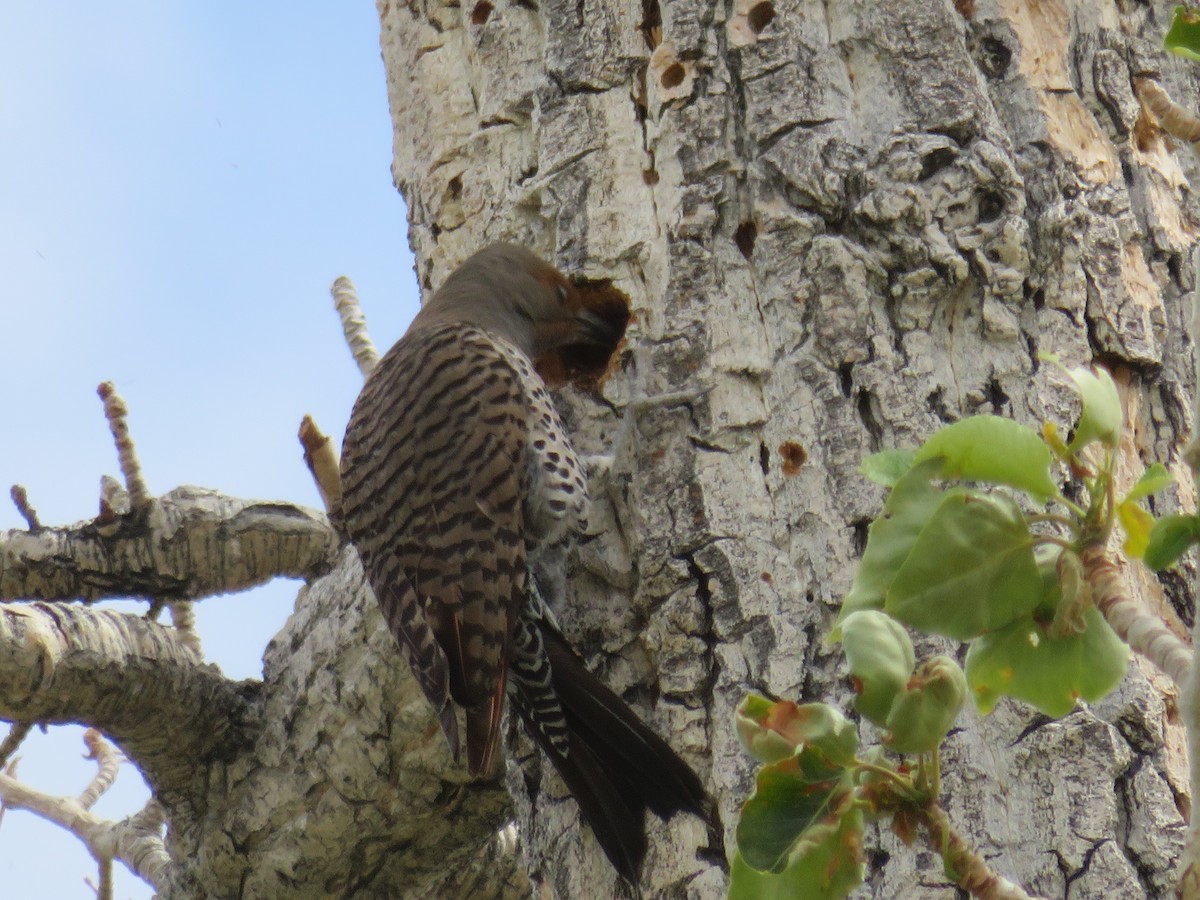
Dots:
pixel 840 225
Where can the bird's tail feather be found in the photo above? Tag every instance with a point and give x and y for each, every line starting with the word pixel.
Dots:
pixel 615 767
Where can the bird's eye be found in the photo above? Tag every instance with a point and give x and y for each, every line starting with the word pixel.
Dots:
pixel 562 293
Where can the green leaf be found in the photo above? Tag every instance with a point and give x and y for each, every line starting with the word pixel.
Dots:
pixel 790 797
pixel 1153 480
pixel 826 864
pixel 1025 662
pixel 924 714
pixel 887 467
pixel 771 732
pixel 1047 556
pixel 971 570
pixel 1101 417
pixel 1137 525
pixel 1183 37
pixel 993 450
pixel 880 656
pixel 1170 539
pixel 890 539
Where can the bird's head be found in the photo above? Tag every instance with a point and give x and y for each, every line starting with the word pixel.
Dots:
pixel 511 292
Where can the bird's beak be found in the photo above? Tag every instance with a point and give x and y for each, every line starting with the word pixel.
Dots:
pixel 594 329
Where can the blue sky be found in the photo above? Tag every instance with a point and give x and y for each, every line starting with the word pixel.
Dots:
pixel 181 184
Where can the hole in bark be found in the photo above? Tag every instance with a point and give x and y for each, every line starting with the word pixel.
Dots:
pixel 794 456
pixel 965 8
pixel 744 238
pixel 650 176
pixel 994 57
pixel 481 12
pixel 935 161
pixel 858 538
pixel 846 378
pixel 672 75
pixel 587 365
pixel 991 206
pixel 760 16
pixel 455 187
pixel 1145 132
pixel 1039 299
pixel 764 458
pixel 651 26
pixel 996 396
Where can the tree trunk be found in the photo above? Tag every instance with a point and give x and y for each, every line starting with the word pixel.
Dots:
pixel 840 226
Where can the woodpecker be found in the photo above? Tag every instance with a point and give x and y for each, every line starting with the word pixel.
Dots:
pixel 462 494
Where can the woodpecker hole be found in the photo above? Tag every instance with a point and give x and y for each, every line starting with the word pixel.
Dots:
pixel 481 12
pixel 991 206
pixel 744 238
pixel 994 57
pixel 672 75
pixel 586 365
pixel 1145 132
pixel 760 16
pixel 935 161
pixel 794 456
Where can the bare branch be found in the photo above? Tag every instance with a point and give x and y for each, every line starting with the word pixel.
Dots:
pixel 17 733
pixel 201 543
pixel 1174 119
pixel 322 461
pixel 108 762
pixel 136 841
pixel 183 617
pixel 20 500
pixel 115 411
pixel 354 325
pixel 131 678
pixel 969 869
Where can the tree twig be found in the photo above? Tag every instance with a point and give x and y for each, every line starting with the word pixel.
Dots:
pixel 354 325
pixel 322 460
pixel 136 841
pixel 108 762
pixel 1144 632
pixel 116 412
pixel 20 500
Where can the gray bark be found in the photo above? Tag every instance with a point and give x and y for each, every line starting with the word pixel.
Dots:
pixel 841 225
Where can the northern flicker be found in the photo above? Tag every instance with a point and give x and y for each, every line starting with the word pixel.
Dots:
pixel 461 492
